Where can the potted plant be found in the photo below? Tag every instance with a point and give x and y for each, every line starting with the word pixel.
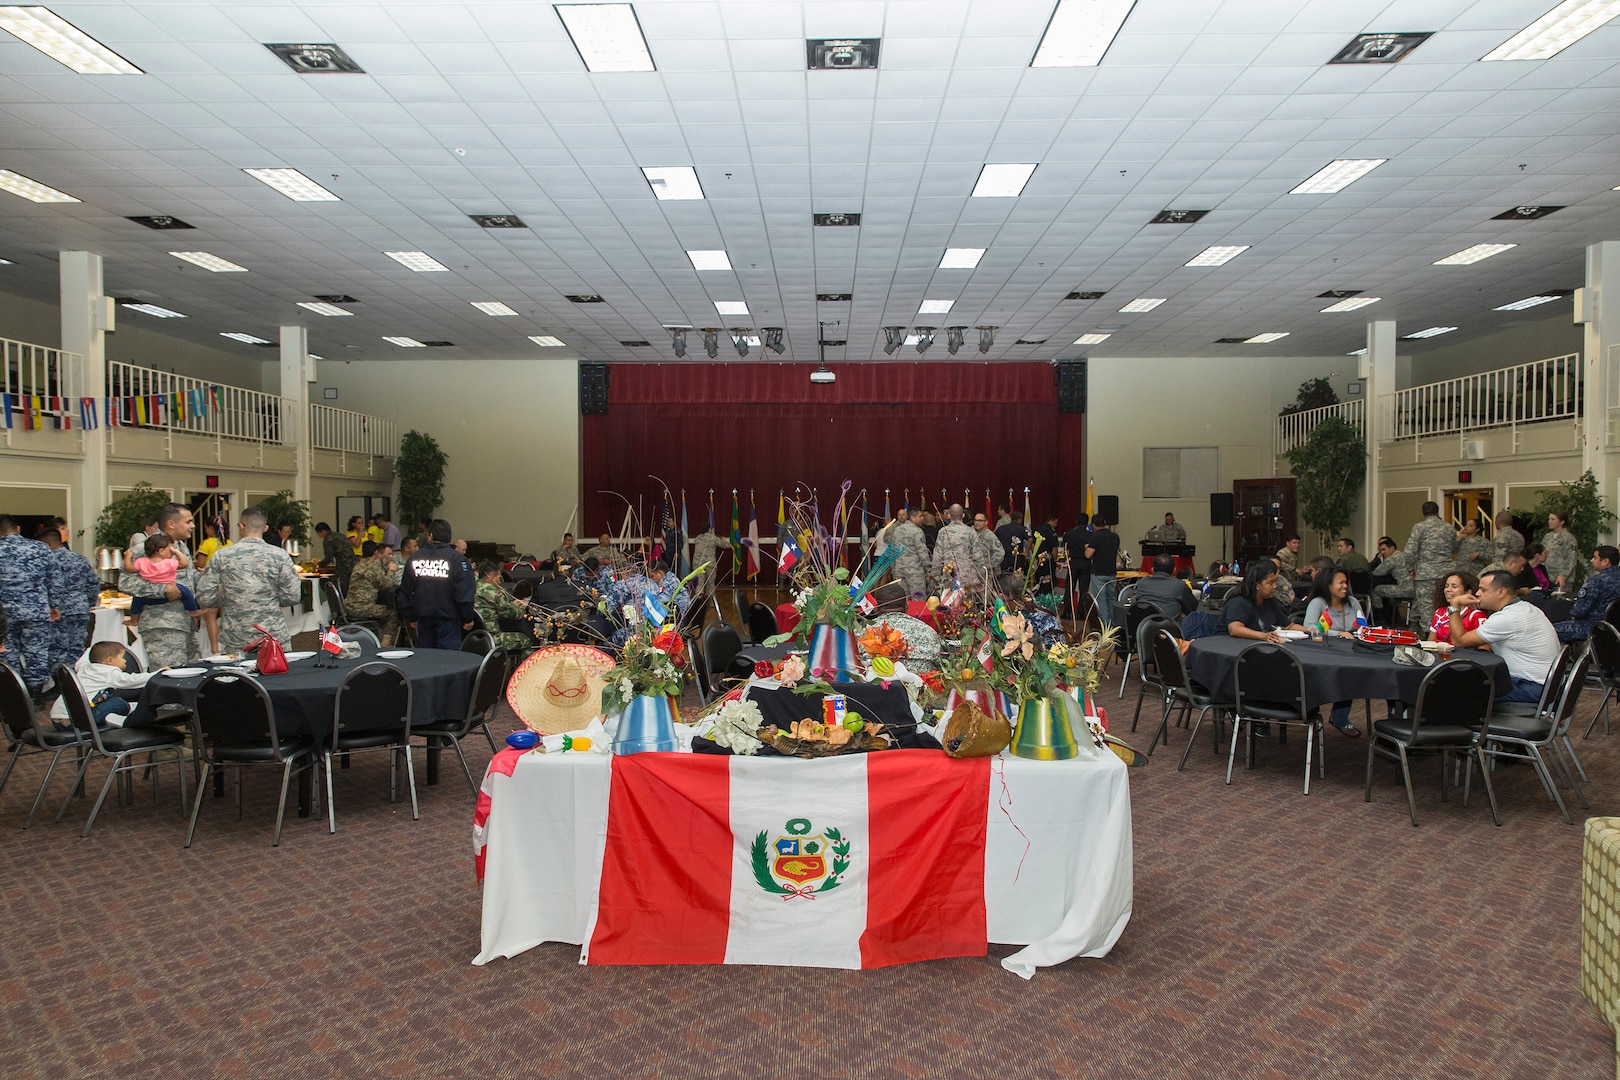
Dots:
pixel 644 688
pixel 282 509
pixel 420 471
pixel 127 515
pixel 1330 467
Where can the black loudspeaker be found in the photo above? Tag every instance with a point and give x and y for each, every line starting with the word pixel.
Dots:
pixel 1220 508
pixel 593 389
pixel 1107 509
pixel 1071 386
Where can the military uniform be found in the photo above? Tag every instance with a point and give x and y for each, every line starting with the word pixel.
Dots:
pixel 911 568
pixel 1172 533
pixel 1562 555
pixel 168 632
pixel 607 555
pixel 631 591
pixel 956 547
pixel 493 604
pixel 989 550
pixel 250 582
pixel 1431 553
pixel 1391 595
pixel 25 593
pixel 370 577
pixel 1473 552
pixel 1507 541
pixel 706 548
pixel 1287 562
pixel 1600 590
pixel 74 590
pixel 569 555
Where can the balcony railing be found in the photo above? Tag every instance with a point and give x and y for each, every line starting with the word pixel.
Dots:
pixel 1541 391
pixel 1294 428
pixel 39 369
pixel 146 397
pixel 351 432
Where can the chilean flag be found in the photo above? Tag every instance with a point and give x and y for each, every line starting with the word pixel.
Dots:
pixel 790 555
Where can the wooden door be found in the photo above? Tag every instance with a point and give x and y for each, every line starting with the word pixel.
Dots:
pixel 1264 514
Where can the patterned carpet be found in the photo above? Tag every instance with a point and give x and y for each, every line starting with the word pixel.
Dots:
pixel 1274 935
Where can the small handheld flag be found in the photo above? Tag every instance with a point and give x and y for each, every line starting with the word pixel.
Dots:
pixel 654 609
pixel 1323 623
pixel 790 555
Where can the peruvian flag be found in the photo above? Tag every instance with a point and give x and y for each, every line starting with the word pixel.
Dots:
pixel 860 861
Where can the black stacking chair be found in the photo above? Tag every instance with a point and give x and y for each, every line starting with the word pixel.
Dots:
pixel 721 644
pixel 117 745
pixel 1180 694
pixel 356 632
pixel 1611 614
pixel 1146 667
pixel 486 695
pixel 478 641
pixel 26 734
pixel 1453 704
pixel 1271 690
pixel 333 595
pixel 1135 614
pixel 234 723
pixel 761 623
pixel 373 712
pixel 1520 731
pixel 1361 588
pixel 1605 652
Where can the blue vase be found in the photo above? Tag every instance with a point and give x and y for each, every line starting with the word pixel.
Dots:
pixel 647 724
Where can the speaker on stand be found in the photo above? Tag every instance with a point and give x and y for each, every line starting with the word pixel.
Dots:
pixel 1221 514
pixel 1108 509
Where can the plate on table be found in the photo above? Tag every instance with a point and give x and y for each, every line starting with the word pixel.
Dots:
pixel 184 672
pixel 300 655
pixel 222 658
pixel 1293 635
pixel 395 654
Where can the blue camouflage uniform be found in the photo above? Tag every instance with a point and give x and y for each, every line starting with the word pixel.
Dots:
pixel 1600 590
pixel 74 591
pixel 630 591
pixel 24 584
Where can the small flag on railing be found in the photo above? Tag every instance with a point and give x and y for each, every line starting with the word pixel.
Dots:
pixel 140 411
pixel 9 402
pixel 61 413
pixel 33 407
pixel 87 414
pixel 177 406
pixel 199 406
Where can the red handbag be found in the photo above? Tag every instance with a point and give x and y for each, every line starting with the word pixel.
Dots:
pixel 272 660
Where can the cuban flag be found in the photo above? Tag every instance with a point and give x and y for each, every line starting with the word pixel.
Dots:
pixel 791 554
pixel 654 609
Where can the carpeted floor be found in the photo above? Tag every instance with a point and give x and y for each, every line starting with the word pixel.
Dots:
pixel 1274 935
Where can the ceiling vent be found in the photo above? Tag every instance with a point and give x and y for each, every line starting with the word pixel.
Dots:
pixel 161 221
pixel 1177 217
pixel 316 59
pixel 1378 48
pixel 1085 296
pixel 841 54
pixel 827 221
pixel 498 221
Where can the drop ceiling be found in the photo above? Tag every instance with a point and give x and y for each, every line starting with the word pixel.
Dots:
pixel 486 108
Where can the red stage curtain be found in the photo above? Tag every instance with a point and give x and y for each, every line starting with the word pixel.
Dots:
pixel 936 429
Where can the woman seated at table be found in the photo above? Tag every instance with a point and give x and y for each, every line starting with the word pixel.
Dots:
pixel 1335 613
pixel 1255 612
pixel 1454 599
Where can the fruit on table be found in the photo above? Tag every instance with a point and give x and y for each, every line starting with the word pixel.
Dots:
pixel 882 665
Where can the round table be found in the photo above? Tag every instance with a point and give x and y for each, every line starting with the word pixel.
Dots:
pixel 1334 670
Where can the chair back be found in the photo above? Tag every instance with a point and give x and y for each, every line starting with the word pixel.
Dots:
pixel 1126 594
pixel 1144 643
pixel 232 710
pixel 1270 675
pixel 523 588
pixel 488 687
pixel 1456 692
pixel 478 641
pixel 1360 582
pixel 1168 662
pixel 1554 686
pixel 1612 614
pixel 78 705
pixel 690 624
pixel 1135 615
pixel 761 622
pixel 372 698
pixel 356 632
pixel 1569 693
pixel 721 644
pixel 1605 650
pixel 333 595
pixel 16 706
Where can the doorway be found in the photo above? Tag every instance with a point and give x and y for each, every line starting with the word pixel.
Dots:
pixel 1263 513
pixel 1469 504
pixel 213 507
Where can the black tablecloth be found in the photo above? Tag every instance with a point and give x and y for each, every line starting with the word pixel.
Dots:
pixel 304 695
pixel 742 665
pixel 1334 670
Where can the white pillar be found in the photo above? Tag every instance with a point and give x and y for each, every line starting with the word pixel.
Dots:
pixel 1601 311
pixel 297 371
pixel 1380 398
pixel 86 317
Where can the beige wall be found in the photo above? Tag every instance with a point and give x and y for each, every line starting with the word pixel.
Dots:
pixel 1553 334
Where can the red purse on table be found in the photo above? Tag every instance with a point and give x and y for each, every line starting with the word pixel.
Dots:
pixel 271 659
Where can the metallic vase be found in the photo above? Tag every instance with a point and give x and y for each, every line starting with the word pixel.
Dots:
pixel 1043 733
pixel 647 724
pixel 833 651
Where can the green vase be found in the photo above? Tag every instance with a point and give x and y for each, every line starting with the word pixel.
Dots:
pixel 1043 733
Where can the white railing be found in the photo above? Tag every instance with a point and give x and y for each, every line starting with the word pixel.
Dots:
pixel 202 407
pixel 39 369
pixel 1294 428
pixel 351 432
pixel 1524 394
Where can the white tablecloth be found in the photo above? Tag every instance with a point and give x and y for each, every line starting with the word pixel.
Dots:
pixel 310 614
pixel 1058 871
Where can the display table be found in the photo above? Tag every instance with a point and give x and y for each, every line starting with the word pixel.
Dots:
pixel 1036 854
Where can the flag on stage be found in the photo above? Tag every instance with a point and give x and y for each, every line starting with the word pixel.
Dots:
pixel 736 533
pixel 686 537
pixel 1091 498
pixel 791 866
pixel 790 555
pixel 753 539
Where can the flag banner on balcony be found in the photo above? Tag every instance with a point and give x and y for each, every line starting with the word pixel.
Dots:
pixel 60 410
pixel 87 413
pixel 198 402
pixel 33 406
pixel 7 403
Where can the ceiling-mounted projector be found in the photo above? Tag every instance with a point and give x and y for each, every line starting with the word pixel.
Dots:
pixel 822 375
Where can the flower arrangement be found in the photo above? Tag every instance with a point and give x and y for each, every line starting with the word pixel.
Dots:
pixel 825 592
pixel 735 723
pixel 652 661
pixel 886 642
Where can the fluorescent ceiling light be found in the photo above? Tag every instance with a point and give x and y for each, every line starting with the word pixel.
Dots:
pixel 1470 255
pixel 1357 352
pixel 1265 339
pixel 1145 303
pixel 1092 339
pixel 419 261
pixel 912 339
pixel 1556 31
pixel 1002 181
pixel 62 41
pixel 607 36
pixel 731 307
pixel 210 262
pixel 1338 175
pixel 674 182
pixel 7 262
pixel 246 339
pixel 935 307
pixel 323 308
pixel 405 342
pixel 709 260
pixel 1080 32
pixel 1433 331
pixel 1528 302
pixel 961 258
pixel 293 184
pixel 32 190
pixel 153 309
pixel 1218 255
pixel 1354 303
pixel 547 340
pixel 492 307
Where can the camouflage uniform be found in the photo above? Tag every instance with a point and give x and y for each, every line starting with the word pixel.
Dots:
pixel 1473 553
pixel 988 552
pixel 912 566
pixel 607 555
pixel 957 545
pixel 360 601
pixel 493 604
pixel 569 555
pixel 1431 553
pixel 1287 562
pixel 1562 555
pixel 250 582
pixel 1507 541
pixel 1172 533
pixel 24 591
pixel 74 591
pixel 706 548
pixel 1396 567
pixel 168 632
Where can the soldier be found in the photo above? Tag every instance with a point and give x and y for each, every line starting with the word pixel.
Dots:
pixel 25 594
pixel 706 547
pixel 911 568
pixel 1168 533
pixel 1288 557
pixel 567 553
pixel 987 548
pixel 1473 550
pixel 1431 554
pixel 365 597
pixel 168 630
pixel 1391 564
pixel 250 582
pixel 1508 539
pixel 1562 554
pixel 494 604
pixel 605 553
pixel 437 590
pixel 955 548
pixel 74 590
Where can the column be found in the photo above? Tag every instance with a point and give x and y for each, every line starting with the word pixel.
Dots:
pixel 297 372
pixel 1601 352
pixel 86 317
pixel 1380 398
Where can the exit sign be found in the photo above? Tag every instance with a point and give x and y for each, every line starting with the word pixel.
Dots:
pixel 212 481
pixel 1465 476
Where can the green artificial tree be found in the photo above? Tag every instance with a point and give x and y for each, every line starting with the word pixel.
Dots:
pixel 1582 509
pixel 1330 467
pixel 282 509
pixel 420 472
pixel 1312 394
pixel 128 514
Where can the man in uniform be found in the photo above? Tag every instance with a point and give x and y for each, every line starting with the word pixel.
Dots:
pixel 1350 560
pixel 250 582
pixel 363 599
pixel 1393 566
pixel 1431 554
pixel 495 604
pixel 911 568
pixel 658 583
pixel 1168 533
pixel 74 589
pixel 168 632
pixel 1508 539
pixel 987 548
pixel 1600 590
pixel 567 553
pixel 604 552
pixel 25 594
pixel 437 590
pixel 1473 550
pixel 1288 558
pixel 955 552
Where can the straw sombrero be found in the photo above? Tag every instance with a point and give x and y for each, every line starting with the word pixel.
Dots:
pixel 559 688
